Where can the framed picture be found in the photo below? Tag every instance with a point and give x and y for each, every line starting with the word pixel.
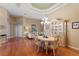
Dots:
pixel 75 25
pixel 33 28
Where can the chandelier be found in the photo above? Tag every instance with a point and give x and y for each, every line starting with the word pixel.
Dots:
pixel 45 20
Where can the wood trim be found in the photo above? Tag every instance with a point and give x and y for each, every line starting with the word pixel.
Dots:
pixel 73 48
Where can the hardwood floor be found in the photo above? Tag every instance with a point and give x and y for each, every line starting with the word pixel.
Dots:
pixel 25 47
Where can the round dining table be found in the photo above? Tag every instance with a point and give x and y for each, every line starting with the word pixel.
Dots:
pixel 46 41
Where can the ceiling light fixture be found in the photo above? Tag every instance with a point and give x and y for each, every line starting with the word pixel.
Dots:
pixel 45 20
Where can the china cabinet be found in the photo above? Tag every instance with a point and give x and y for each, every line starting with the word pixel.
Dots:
pixel 57 28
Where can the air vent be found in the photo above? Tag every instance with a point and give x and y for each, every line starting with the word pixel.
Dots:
pixel 25 13
pixel 18 4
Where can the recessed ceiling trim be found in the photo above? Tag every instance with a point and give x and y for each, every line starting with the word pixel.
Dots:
pixel 42 6
pixel 46 11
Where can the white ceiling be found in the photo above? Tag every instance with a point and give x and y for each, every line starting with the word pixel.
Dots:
pixel 25 9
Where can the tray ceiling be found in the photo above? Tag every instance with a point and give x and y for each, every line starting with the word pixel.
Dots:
pixel 42 6
pixel 31 10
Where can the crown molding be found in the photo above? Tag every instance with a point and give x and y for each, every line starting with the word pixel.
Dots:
pixel 46 11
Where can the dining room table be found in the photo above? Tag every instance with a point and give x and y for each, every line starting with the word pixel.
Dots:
pixel 46 41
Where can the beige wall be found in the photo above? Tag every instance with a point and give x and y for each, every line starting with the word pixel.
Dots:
pixel 69 12
pixel 12 26
pixel 13 22
pixel 4 21
pixel 73 35
pixel 27 22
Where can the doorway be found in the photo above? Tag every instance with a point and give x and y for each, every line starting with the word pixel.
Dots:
pixel 18 30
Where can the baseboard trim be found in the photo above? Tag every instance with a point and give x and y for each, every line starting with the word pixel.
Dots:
pixel 73 47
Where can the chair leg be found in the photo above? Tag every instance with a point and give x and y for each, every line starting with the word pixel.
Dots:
pixel 53 51
pixel 46 49
pixel 37 49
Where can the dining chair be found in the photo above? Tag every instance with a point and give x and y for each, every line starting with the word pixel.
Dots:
pixel 37 43
pixel 54 45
